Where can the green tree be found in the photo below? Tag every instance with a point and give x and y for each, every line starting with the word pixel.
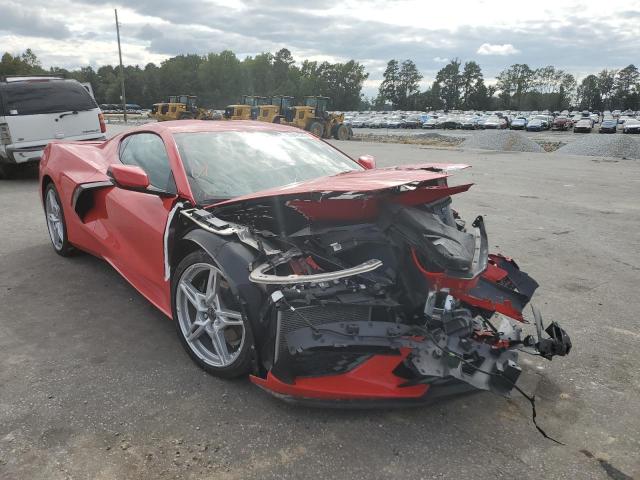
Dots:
pixel 588 93
pixel 627 88
pixel 388 91
pixel 450 82
pixel 606 85
pixel 514 83
pixel 408 85
pixel 474 91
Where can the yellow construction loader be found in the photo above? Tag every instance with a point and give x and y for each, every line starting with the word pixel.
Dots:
pixel 314 117
pixel 180 107
pixel 273 111
pixel 246 109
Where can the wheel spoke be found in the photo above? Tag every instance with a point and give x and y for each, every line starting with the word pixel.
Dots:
pixel 59 231
pixel 198 328
pixel 212 287
pixel 195 297
pixel 229 318
pixel 219 344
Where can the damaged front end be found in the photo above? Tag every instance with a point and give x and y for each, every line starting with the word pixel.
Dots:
pixel 374 290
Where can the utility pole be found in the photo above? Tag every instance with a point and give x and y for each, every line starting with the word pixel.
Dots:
pixel 124 100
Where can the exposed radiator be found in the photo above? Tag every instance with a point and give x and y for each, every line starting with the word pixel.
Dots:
pixel 317 315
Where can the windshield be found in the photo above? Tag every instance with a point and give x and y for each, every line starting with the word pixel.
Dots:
pixel 32 98
pixel 222 165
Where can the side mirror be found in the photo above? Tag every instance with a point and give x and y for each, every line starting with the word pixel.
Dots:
pixel 367 161
pixel 129 176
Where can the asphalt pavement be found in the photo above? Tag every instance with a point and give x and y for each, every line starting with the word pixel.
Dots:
pixel 94 383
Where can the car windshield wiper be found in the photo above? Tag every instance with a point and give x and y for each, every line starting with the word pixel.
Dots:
pixel 73 112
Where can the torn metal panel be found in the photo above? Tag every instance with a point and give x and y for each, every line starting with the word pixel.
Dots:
pixel 366 181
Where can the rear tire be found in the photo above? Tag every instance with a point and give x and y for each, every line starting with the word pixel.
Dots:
pixel 56 224
pixel 186 116
pixel 316 128
pixel 276 120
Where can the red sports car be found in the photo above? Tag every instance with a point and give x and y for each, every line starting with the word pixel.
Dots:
pixel 279 256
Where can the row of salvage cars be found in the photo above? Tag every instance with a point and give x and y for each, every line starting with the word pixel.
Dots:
pixel 327 281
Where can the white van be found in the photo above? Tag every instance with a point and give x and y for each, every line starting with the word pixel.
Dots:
pixel 35 110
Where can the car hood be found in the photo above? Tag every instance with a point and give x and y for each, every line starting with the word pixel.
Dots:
pixel 406 184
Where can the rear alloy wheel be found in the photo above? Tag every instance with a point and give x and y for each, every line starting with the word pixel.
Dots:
pixel 342 132
pixel 317 129
pixel 55 222
pixel 209 319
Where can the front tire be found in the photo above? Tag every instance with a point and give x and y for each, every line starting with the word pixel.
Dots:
pixel 209 317
pixel 56 224
pixel 342 132
pixel 317 129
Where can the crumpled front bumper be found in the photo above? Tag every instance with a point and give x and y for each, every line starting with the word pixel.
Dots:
pixel 372 384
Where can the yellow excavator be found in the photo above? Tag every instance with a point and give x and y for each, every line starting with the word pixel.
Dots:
pixel 313 117
pixel 246 109
pixel 180 107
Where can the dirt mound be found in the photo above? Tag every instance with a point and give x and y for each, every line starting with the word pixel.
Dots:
pixel 501 140
pixel 616 145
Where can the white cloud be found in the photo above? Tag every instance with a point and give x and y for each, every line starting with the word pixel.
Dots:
pixel 440 59
pixel 494 49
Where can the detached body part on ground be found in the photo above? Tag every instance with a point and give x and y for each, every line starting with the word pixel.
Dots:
pixel 360 287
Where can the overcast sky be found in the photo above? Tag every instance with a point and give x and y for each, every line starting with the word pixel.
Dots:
pixel 579 36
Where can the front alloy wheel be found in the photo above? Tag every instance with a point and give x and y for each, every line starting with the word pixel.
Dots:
pixel 209 318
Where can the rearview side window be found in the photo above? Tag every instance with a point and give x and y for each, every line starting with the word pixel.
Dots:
pixel 147 151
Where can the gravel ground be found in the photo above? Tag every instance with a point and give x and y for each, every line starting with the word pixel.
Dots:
pixel 609 145
pixel 502 140
pixel 428 138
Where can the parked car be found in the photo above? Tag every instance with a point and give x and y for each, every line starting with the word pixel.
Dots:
pixel 495 123
pixel 264 276
pixel 413 121
pixel 430 124
pixel 547 120
pixel 37 110
pixel 358 122
pixel 469 123
pixel 631 126
pixel 395 122
pixel 536 125
pixel 562 123
pixel 583 125
pixel 609 125
pixel 378 122
pixel 519 123
pixel 451 123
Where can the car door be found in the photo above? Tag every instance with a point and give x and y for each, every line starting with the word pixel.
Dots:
pixel 134 224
